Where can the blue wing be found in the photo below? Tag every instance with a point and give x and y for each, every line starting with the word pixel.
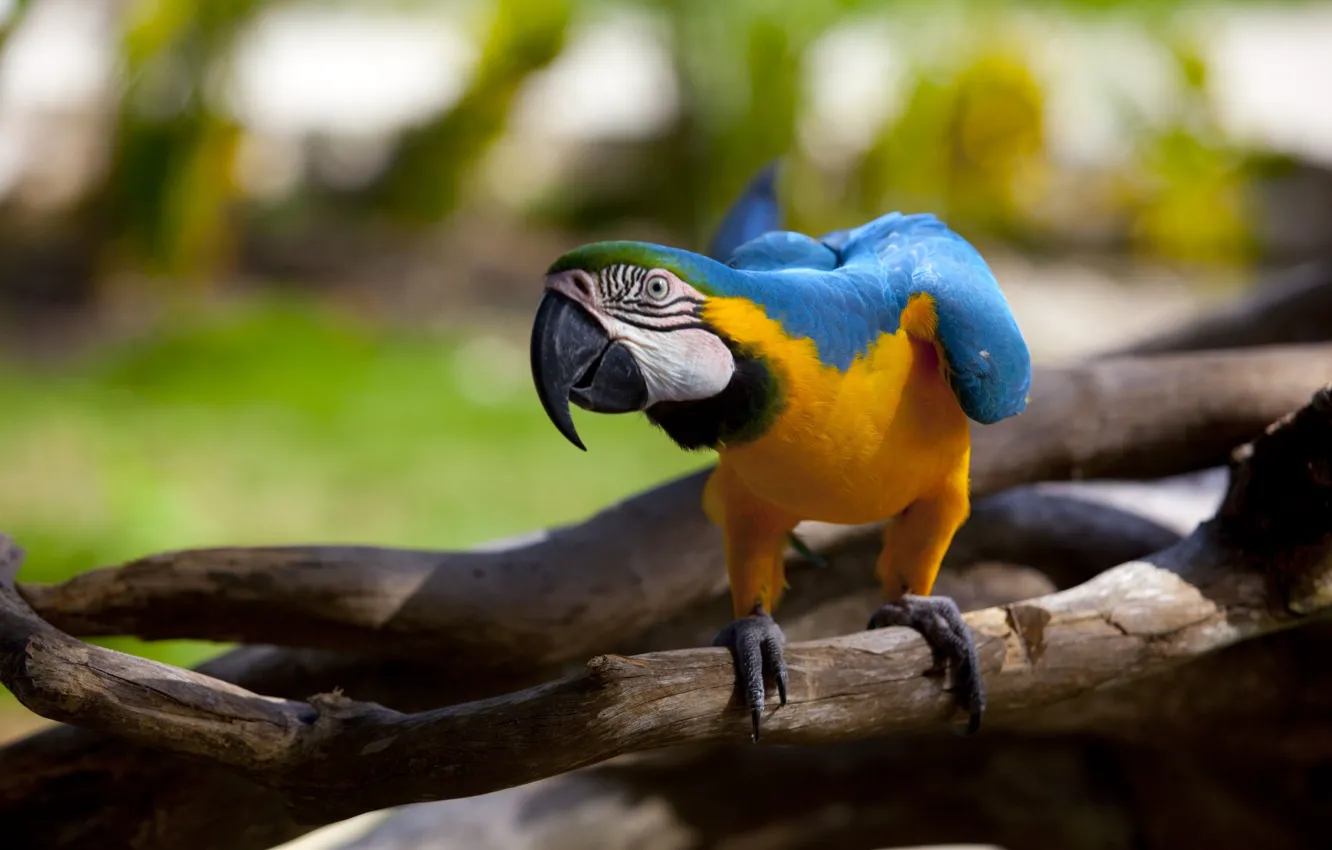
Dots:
pixel 845 289
pixel 751 215
pixel 989 364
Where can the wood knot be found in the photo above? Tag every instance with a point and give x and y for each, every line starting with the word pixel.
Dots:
pixel 608 671
pixel 1029 623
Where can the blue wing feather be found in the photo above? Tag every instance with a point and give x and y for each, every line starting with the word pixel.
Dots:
pixel 845 289
pixel 756 212
pixel 784 250
pixel 989 364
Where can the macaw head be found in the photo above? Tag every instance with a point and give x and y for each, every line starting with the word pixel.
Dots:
pixel 620 329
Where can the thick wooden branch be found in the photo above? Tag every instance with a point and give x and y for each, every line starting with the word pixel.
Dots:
pixel 574 591
pixel 1294 306
pixel 1263 565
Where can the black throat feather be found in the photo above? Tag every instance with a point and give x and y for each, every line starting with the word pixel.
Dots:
pixel 737 414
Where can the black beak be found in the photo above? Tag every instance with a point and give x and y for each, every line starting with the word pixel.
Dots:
pixel 574 360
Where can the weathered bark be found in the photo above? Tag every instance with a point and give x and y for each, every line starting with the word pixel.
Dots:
pixel 574 591
pixel 1264 564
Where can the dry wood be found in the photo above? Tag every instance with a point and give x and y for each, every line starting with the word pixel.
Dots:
pixel 1262 565
pixel 577 590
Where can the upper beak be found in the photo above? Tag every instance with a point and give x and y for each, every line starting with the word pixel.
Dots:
pixel 573 359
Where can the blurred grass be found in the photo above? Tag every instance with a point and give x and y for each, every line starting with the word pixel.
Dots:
pixel 277 420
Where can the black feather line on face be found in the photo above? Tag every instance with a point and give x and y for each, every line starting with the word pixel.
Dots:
pixel 739 413
pixel 697 326
pixel 650 308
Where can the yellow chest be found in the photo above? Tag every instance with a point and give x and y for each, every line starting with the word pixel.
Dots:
pixel 855 446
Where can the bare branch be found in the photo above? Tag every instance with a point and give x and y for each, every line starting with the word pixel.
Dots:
pixel 1145 417
pixel 1294 306
pixel 1261 566
pixel 573 591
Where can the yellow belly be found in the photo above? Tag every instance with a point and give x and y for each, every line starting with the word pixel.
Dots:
pixel 858 446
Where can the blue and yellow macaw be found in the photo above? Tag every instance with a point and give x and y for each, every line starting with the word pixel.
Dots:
pixel 834 377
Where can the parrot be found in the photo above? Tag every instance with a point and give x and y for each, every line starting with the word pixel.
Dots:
pixel 835 378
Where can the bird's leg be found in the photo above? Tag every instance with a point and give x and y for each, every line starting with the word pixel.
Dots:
pixel 756 642
pixel 756 534
pixel 937 618
pixel 914 544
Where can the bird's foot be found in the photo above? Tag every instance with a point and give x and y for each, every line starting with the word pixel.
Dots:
pixel 756 646
pixel 939 621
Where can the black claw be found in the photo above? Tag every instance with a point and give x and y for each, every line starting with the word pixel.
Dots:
pixel 756 647
pixel 938 619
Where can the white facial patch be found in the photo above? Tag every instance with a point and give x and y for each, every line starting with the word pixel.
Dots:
pixel 678 365
pixel 655 314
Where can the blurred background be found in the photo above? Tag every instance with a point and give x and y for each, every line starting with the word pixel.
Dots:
pixel 267 269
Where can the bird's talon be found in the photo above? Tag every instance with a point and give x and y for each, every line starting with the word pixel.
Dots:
pixel 938 620
pixel 756 647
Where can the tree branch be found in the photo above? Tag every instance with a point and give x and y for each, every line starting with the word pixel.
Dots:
pixel 1262 565
pixel 1294 306
pixel 573 591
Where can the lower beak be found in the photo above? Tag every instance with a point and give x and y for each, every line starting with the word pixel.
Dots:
pixel 573 359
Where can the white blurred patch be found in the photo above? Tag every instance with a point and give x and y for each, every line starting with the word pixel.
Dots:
pixel 1102 79
pixel 852 85
pixel 308 68
pixel 1271 72
pixel 55 79
pixel 615 80
pixel 59 57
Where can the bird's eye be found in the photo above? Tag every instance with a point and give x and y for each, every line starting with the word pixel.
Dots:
pixel 657 288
